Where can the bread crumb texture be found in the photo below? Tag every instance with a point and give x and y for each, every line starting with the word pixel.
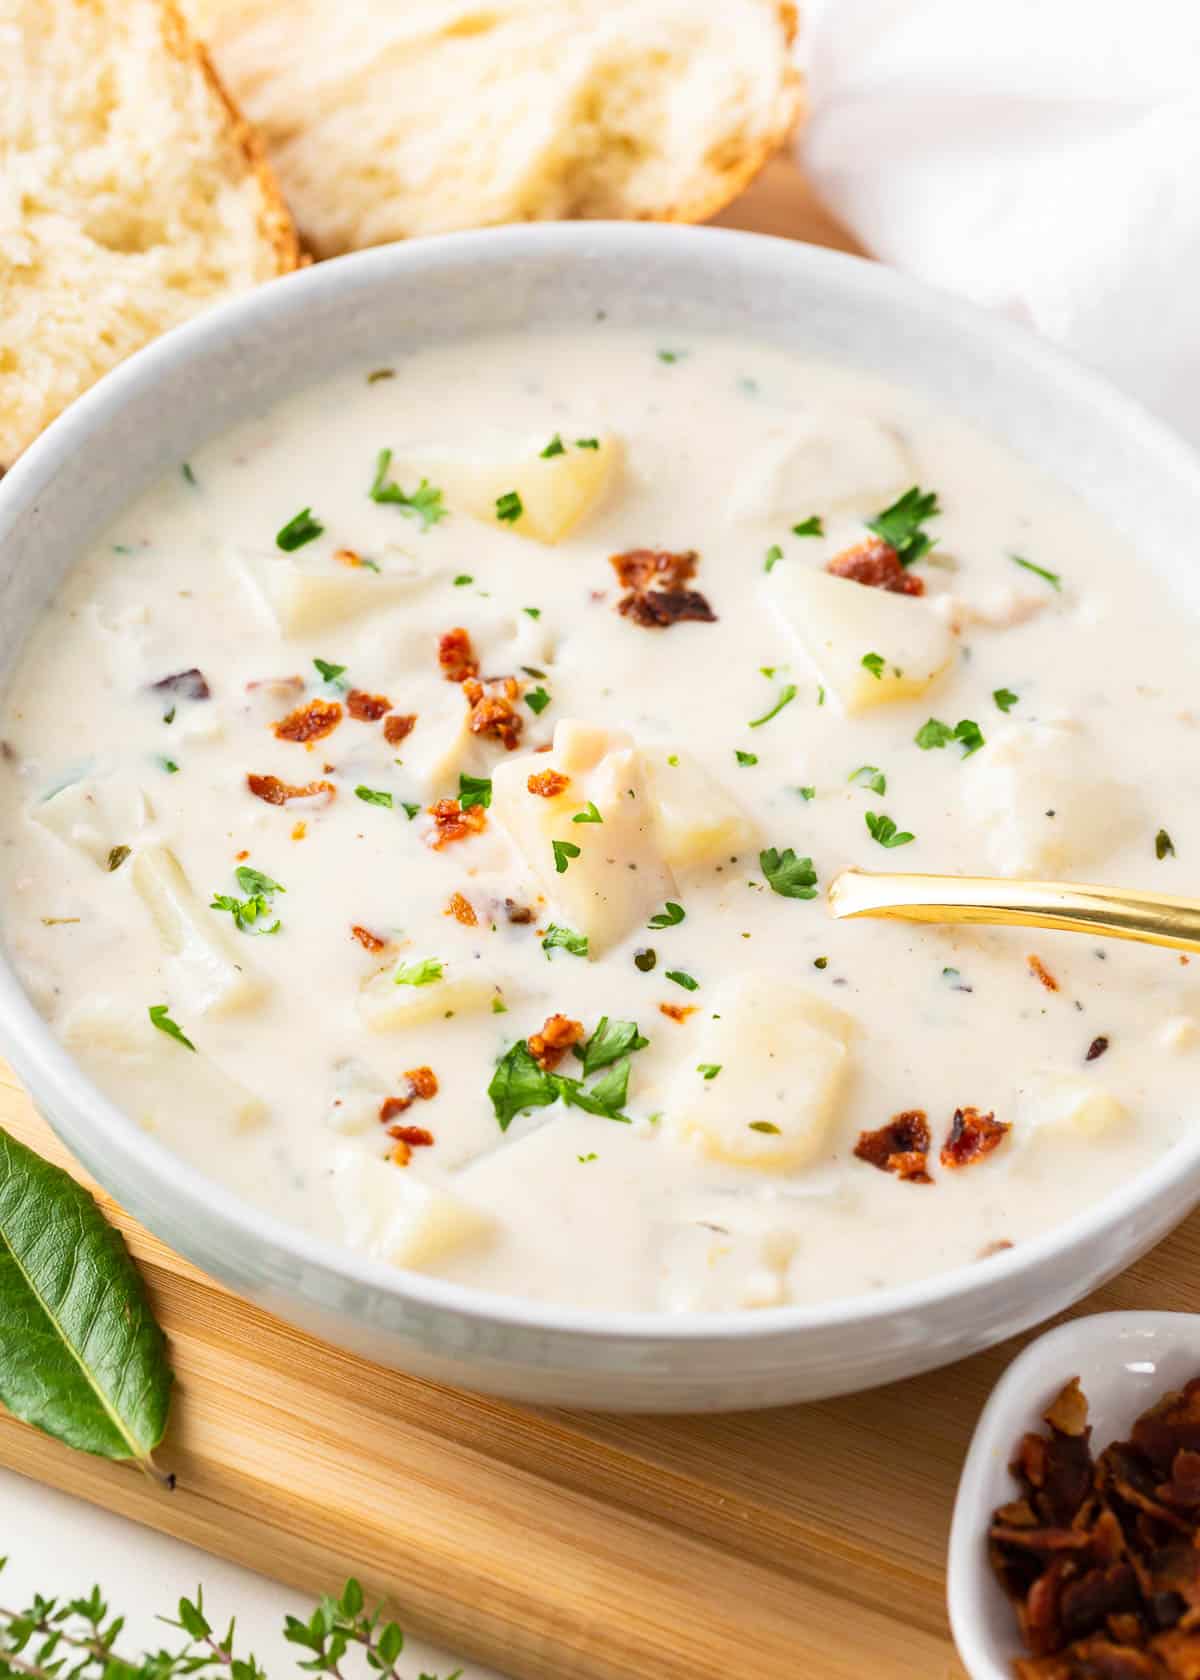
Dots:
pixel 386 120
pixel 131 195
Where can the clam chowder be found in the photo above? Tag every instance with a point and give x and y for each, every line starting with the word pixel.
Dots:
pixel 418 809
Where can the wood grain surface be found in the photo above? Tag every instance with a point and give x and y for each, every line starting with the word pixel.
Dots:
pixel 800 1544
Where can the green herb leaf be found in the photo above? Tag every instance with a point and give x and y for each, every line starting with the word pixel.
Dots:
pixel 589 815
pixel 587 443
pixel 786 696
pixel 607 1096
pixel 610 1041
pixel 301 528
pixel 576 943
pixel 969 736
pixel 160 1019
pixel 745 757
pixel 810 527
pixel 378 374
pixel 682 979
pixel 81 1357
pixel 509 507
pixel 533 612
pixel 462 580
pixel 186 473
pixel 872 662
pixel 671 356
pixel 900 525
pixel 1052 578
pixel 788 875
pixel 554 447
pixel 425 503
pixel 537 700
pixel 934 733
pixel 710 1070
pixel 422 973
pixel 767 1126
pixel 869 776
pixel 328 672
pixel 645 959
pixel 170 766
pixel 410 810
pixel 373 796
pixel 116 857
pixel 473 790
pixel 821 693
pixel 563 851
pixel 670 917
pixel 807 793
pixel 518 1084
pixel 774 556
pixel 883 829
pixel 1164 846
pixel 1005 698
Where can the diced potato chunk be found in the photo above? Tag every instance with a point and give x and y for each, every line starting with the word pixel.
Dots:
pixel 824 462
pixel 1042 803
pixel 388 1212
pixel 783 1058
pixel 155 1078
pixel 358 1092
pixel 556 491
pixel 302 596
pixel 386 1006
pixel 708 1270
pixel 95 814
pixel 698 822
pixel 620 876
pixel 213 979
pixel 441 746
pixel 838 623
pixel 1066 1105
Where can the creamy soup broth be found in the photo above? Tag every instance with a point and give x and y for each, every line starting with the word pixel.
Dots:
pixel 724 1172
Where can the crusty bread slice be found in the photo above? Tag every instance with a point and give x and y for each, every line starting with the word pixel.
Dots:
pixel 388 118
pixel 131 194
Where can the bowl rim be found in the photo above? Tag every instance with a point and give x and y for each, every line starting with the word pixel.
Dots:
pixel 43 1062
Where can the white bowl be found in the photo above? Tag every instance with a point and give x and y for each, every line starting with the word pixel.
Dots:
pixel 157 408
pixel 1124 1361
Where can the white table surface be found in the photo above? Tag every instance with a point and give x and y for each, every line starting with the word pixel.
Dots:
pixel 60 1545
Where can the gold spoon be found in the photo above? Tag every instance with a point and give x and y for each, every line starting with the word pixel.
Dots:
pixel 1115 912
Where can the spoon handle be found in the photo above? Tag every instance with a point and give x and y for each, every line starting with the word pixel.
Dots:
pixel 1114 912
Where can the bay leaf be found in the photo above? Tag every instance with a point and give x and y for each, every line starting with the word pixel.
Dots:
pixel 81 1356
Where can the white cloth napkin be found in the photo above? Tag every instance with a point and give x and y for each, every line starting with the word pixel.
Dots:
pixel 1039 156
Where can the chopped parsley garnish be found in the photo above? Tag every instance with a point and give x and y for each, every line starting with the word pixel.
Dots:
pixel 532 671
pixel 462 580
pixel 509 507
pixel 869 776
pixel 554 447
pixel 883 829
pixel 774 555
pixel 587 443
pixel 169 715
pixel 710 1070
pixel 374 377
pixel 499 1007
pixel 116 857
pixel 1052 578
pixel 330 673
pixel 745 757
pixel 170 766
pixel 807 793
pixel 1005 698
pixel 425 503
pixel 788 875
pixel 533 612
pixel 537 700
pixel 821 692
pixel 682 979
pixel 645 959
pixel 189 477
pixel 934 733
pixel 301 528
pixel 589 815
pixel 671 356
pixel 576 943
pixel 786 696
pixel 248 912
pixel 519 1083
pixel 373 796
pixel 872 662
pixel 821 962
pixel 564 851
pixel 160 1019
pixel 422 973
pixel 810 527
pixel 584 1159
pixel 410 810
pixel 1164 846
pixel 670 917
pixel 610 1041
pixel 900 525
pixel 767 1126
pixel 473 790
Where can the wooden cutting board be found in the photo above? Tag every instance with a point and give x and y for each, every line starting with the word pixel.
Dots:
pixel 800 1544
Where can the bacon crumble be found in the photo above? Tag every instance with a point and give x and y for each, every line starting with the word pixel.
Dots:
pixel 456 656
pixel 677 1011
pixel 972 1135
pixel 493 709
pixel 462 910
pixel 398 727
pixel 900 1147
pixel 1096 1048
pixel 654 580
pixel 1040 972
pixel 188 685
pixel 368 940
pixel 276 792
pixel 453 823
pixel 519 914
pixel 876 564
pixel 420 1086
pixel 367 708
pixel 310 722
pixel 348 557
pixel 556 1037
pixel 548 784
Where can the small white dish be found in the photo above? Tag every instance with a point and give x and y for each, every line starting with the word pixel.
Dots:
pixel 1124 1361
